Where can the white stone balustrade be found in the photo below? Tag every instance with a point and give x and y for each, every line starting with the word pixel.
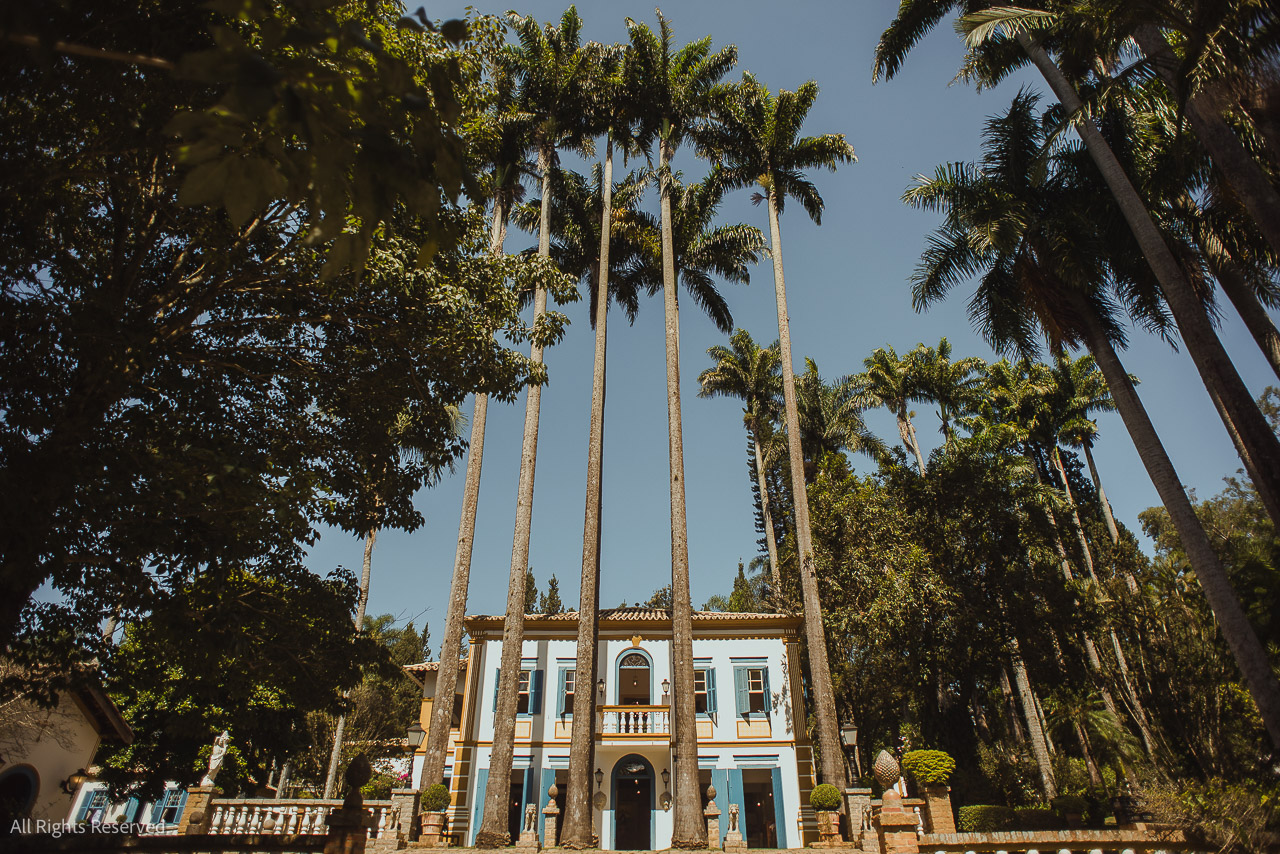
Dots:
pixel 635 721
pixel 297 817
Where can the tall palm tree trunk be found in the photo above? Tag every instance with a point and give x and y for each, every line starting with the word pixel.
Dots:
pixel 451 646
pixel 908 432
pixel 1138 713
pixel 1250 309
pixel 493 828
pixel 578 816
pixel 1232 622
pixel 1040 749
pixel 335 756
pixel 689 827
pixel 1257 445
pixel 824 701
pixel 1010 707
pixel 1107 515
pixel 770 540
pixel 1246 178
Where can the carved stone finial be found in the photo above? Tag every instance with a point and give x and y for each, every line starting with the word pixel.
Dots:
pixel 711 792
pixel 553 792
pixel 886 769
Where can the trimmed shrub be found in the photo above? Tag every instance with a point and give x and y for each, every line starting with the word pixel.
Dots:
pixel 1037 818
pixel 1065 804
pixel 435 798
pixel 984 818
pixel 929 766
pixel 825 798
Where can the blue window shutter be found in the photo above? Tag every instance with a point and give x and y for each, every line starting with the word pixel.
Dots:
pixel 535 692
pixel 131 809
pixel 157 809
pixel 548 777
pixel 720 779
pixel 497 676
pixel 182 805
pixel 711 691
pixel 768 697
pixel 736 796
pixel 778 813
pixel 564 673
pixel 740 689
pixel 86 798
pixel 482 777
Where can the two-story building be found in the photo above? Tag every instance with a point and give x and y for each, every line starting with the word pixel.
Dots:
pixel 752 743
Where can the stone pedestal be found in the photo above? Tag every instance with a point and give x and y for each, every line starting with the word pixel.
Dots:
pixel 528 840
pixel 550 821
pixel 733 840
pixel 896 827
pixel 712 815
pixel 348 830
pixel 198 814
pixel 404 803
pixel 857 803
pixel 829 835
pixel 938 816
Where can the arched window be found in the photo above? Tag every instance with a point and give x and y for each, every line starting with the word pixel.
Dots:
pixel 635 678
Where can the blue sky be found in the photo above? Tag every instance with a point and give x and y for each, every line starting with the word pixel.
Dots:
pixel 848 293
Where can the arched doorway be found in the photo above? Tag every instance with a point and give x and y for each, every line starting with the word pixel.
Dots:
pixel 634 678
pixel 18 788
pixel 633 804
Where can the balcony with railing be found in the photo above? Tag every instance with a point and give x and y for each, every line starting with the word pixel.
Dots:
pixel 635 722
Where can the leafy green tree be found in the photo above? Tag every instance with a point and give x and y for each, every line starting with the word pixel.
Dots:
pixel 549 602
pixel 247 652
pixel 1032 232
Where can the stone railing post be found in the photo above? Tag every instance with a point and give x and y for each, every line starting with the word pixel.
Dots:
pixel 550 817
pixel 895 827
pixel 349 826
pixel 937 808
pixel 404 803
pixel 857 805
pixel 198 813
pixel 712 814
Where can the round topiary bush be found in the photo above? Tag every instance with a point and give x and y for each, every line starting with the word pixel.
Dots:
pixel 1037 818
pixel 435 798
pixel 825 798
pixel 1070 805
pixel 929 766
pixel 984 818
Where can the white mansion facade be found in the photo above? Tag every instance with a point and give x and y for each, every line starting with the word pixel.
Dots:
pixel 751 746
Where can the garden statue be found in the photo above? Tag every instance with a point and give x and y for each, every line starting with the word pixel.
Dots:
pixel 215 758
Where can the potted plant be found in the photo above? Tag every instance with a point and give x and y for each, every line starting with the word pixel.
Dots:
pixel 931 770
pixel 1072 809
pixel 434 802
pixel 825 800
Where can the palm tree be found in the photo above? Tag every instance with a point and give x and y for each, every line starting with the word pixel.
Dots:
pixel 757 136
pixel 831 419
pixel 991 34
pixel 951 385
pixel 1035 238
pixel 598 237
pixel 505 155
pixel 750 373
pixel 552 68
pixel 894 383
pixel 675 85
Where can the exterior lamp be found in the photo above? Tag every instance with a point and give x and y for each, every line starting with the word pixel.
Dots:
pixel 416 735
pixel 599 778
pixel 849 740
pixel 75 781
pixel 600 689
pixel 666 778
pixel 666 686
